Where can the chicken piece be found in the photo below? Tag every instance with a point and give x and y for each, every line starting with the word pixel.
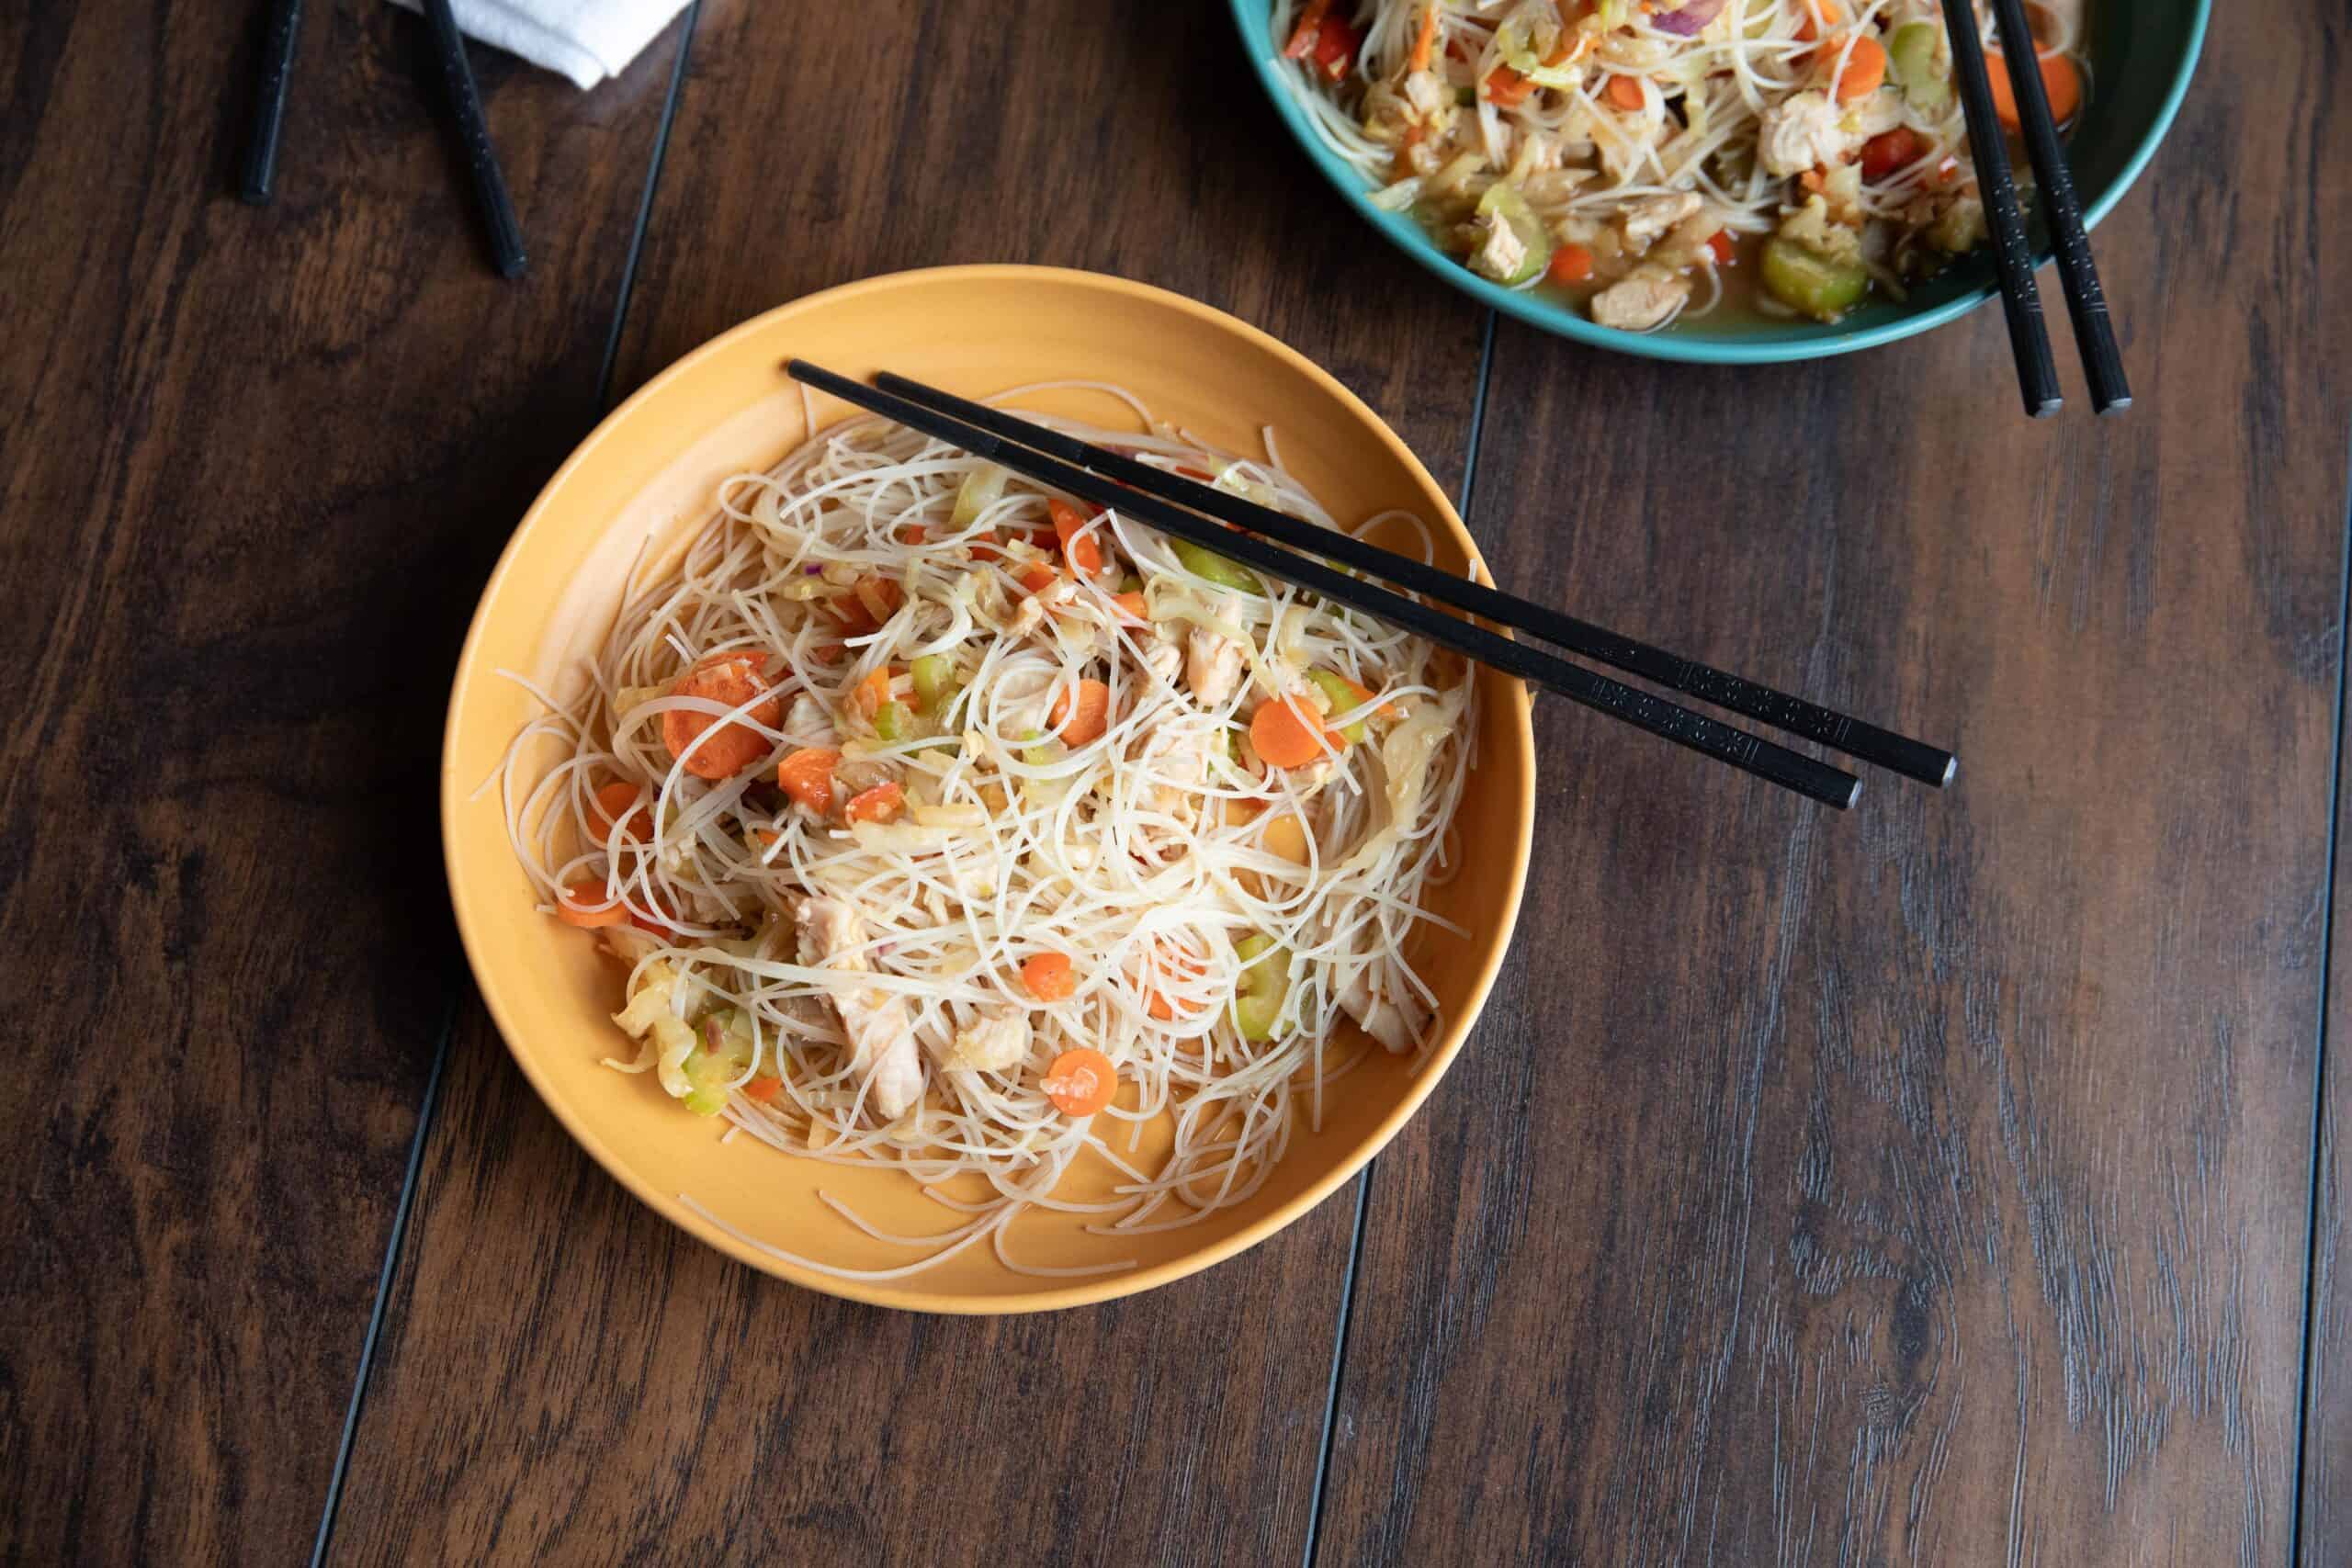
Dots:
pixel 1804 133
pixel 1429 97
pixel 998 1039
pixel 1176 756
pixel 1031 613
pixel 1212 666
pixel 1500 253
pixel 1165 658
pixel 806 723
pixel 1646 218
pixel 881 1044
pixel 1397 1018
pixel 1638 303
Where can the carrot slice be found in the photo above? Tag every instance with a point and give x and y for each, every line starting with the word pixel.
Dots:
pixel 1131 605
pixel 1082 1081
pixel 1084 552
pixel 1094 715
pixel 1625 93
pixel 1508 87
pixel 1425 42
pixel 806 776
pixel 1865 69
pixel 763 1090
pixel 611 804
pixel 880 804
pixel 731 679
pixel 872 692
pixel 1281 732
pixel 581 905
pixel 2060 81
pixel 1570 264
pixel 1048 976
pixel 1037 577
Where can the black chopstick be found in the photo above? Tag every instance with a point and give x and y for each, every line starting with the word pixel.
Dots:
pixel 1865 742
pixel 473 133
pixel 2086 299
pixel 269 100
pixel 1709 736
pixel 2012 253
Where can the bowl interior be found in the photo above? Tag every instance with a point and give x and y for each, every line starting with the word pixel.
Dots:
pixel 649 472
pixel 2141 53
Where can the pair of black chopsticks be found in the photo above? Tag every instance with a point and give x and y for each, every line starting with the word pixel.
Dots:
pixel 1231 525
pixel 2020 296
pixel 465 102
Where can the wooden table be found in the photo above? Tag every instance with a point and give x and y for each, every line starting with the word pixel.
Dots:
pixel 1953 1182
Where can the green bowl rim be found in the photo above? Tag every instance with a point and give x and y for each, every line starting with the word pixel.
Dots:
pixel 1253 19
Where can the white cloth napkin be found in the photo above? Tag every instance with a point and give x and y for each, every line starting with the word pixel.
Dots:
pixel 586 40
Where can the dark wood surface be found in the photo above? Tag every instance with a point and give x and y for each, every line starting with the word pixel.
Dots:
pixel 252 461
pixel 1931 1184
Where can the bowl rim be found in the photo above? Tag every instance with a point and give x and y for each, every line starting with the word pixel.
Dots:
pixel 1252 18
pixel 910 1295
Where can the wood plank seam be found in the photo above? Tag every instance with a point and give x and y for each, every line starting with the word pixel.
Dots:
pixel 456 985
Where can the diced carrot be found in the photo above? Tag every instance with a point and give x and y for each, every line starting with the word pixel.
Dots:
pixel 1132 606
pixel 1047 975
pixel 1310 26
pixel 1158 1005
pixel 763 1090
pixel 1507 87
pixel 1284 731
pixel 1335 48
pixel 871 693
pixel 729 679
pixel 880 598
pixel 1625 93
pixel 829 653
pixel 2061 83
pixel 911 534
pixel 583 904
pixel 1084 552
pixel 1425 42
pixel 1889 151
pixel 1865 69
pixel 1093 715
pixel 1037 576
pixel 611 804
pixel 1082 1081
pixel 806 776
pixel 1719 244
pixel 1812 181
pixel 1570 264
pixel 881 804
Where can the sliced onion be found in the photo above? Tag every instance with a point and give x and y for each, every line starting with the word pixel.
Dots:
pixel 1686 22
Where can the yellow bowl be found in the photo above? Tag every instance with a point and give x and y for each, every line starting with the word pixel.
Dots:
pixel 650 471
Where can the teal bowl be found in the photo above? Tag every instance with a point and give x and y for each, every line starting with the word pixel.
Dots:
pixel 2142 55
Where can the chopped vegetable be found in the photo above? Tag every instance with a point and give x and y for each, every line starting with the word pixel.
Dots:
pixel 1310 24
pixel 583 904
pixel 1911 57
pixel 1344 696
pixel 1082 1081
pixel 1865 69
pixel 1094 715
pixel 724 1050
pixel 1037 576
pixel 1625 93
pixel 1286 732
pixel 1890 150
pixel 1212 566
pixel 611 804
pixel 729 680
pixel 881 804
pixel 1131 605
pixel 1047 975
pixel 979 489
pixel 890 720
pixel 1335 48
pixel 1083 551
pixel 935 687
pixel 763 1090
pixel 871 693
pixel 1507 87
pixel 807 777
pixel 1504 202
pixel 1425 42
pixel 1721 246
pixel 1259 995
pixel 1810 283
pixel 1570 265
pixel 2060 81
pixel 880 596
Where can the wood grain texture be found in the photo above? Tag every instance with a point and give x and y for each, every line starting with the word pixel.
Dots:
pixel 2327 1398
pixel 565 1377
pixel 1927 1185
pixel 252 463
